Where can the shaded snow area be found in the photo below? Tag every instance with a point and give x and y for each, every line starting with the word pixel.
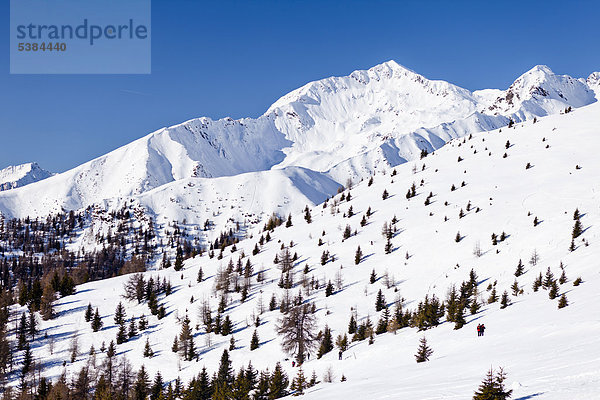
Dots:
pixel 503 180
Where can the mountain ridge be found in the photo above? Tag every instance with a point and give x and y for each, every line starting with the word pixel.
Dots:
pixel 341 127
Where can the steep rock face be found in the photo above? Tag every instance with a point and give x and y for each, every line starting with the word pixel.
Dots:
pixel 20 175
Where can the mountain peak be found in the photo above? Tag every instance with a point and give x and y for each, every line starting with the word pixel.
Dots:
pixel 20 175
pixel 540 68
pixel 392 65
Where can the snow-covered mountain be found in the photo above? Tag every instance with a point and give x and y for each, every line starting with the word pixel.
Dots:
pixel 340 128
pixel 485 203
pixel 20 175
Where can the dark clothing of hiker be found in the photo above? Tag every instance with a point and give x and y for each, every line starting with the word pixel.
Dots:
pixel 482 329
pixel 340 355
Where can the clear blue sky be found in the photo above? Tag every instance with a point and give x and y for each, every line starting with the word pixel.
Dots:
pixel 226 58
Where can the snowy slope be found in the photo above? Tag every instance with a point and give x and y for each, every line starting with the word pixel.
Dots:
pixel 21 175
pixel 346 127
pixel 548 353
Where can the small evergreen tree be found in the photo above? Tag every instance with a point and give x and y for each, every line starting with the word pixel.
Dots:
pixel 89 313
pixel 493 297
pixel 358 256
pixel 299 383
pixel 492 387
pixel 96 321
pixel 562 303
pixel 148 353
pixel 424 351
pixel 577 229
pixel 537 283
pixel 121 334
pixel 329 289
pixel 520 269
pixel 515 288
pixel 120 314
pixel 132 328
pixel 380 301
pixel 326 343
pixel 504 300
pixel 254 342
pixel 373 277
pixel 278 383
pixel 554 290
pixel 352 325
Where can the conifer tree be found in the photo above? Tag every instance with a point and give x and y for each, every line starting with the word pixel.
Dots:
pixel 32 325
pixel 537 283
pixel 307 216
pixel 358 256
pixel 141 387
pixel 424 351
pixel 554 290
pixel 132 328
pixel 492 387
pixel 562 302
pixel 352 325
pixel 493 297
pixel 278 383
pixel 326 343
pixel 474 307
pixel 329 289
pixel 520 269
pixel 224 379
pixel 388 246
pixel 299 383
pixel 254 342
pixel 504 300
pixel 143 324
pixel 342 342
pixel 380 301
pixel 373 277
pixel 178 259
pixel 459 320
pixel 121 334
pixel 563 277
pixel 120 314
pixel 89 313
pixel 148 350
pixel 548 279
pixel 577 229
pixel 22 332
pixel 156 389
pixel 27 361
pixel 226 327
pixel 515 288
pixel 382 325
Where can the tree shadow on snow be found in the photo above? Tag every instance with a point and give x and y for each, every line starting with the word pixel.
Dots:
pixel 531 396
